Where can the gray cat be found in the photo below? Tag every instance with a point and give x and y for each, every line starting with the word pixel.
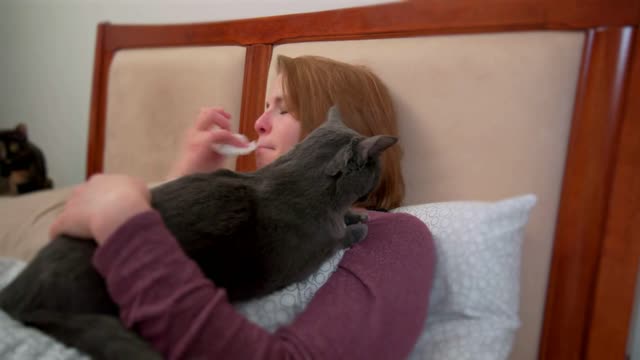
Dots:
pixel 298 207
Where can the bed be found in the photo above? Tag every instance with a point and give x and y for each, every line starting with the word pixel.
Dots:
pixel 495 99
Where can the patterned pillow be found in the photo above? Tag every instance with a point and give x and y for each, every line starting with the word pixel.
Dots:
pixel 473 308
pixel 281 307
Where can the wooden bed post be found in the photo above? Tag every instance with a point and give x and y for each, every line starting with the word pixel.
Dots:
pixel 585 192
pixel 256 71
pixel 101 61
pixel 616 281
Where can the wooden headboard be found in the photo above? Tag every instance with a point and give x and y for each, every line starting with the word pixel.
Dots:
pixel 597 241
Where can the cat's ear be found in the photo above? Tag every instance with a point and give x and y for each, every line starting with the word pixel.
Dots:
pixel 373 146
pixel 339 161
pixel 334 117
pixel 22 129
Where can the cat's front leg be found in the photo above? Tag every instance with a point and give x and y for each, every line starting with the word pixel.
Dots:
pixel 354 234
pixel 353 217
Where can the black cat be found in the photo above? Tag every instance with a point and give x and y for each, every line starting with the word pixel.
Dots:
pixel 298 208
pixel 23 167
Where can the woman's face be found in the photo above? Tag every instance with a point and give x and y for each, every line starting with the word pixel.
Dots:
pixel 278 131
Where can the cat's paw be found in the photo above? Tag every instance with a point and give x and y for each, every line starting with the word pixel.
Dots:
pixel 355 233
pixel 352 217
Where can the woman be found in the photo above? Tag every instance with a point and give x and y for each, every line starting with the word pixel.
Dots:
pixel 372 307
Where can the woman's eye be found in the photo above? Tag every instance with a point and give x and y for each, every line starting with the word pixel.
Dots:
pixel 282 112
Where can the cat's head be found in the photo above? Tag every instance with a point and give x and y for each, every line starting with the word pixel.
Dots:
pixel 342 160
pixel 13 149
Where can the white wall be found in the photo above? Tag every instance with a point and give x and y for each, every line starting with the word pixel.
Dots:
pixel 46 60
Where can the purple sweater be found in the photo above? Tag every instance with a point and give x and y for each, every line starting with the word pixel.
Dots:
pixel 373 307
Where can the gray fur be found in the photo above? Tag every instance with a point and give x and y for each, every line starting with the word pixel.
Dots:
pixel 251 234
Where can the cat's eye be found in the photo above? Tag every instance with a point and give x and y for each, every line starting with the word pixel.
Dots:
pixel 14 147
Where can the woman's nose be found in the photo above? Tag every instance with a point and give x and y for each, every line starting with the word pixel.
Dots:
pixel 263 124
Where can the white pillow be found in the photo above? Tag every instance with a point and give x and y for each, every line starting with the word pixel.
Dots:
pixel 473 307
pixel 281 307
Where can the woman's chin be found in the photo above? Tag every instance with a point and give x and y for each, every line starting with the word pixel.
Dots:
pixel 264 157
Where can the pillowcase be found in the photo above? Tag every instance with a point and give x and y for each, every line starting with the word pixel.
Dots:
pixel 473 307
pixel 281 307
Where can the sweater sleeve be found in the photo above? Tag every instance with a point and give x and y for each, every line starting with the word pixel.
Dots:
pixel 372 307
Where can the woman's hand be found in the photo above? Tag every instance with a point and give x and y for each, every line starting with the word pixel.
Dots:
pixel 98 207
pixel 196 153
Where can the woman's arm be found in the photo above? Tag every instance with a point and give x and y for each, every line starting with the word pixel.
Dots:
pixel 372 307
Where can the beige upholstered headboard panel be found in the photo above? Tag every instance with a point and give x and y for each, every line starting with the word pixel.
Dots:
pixel 482 117
pixel 154 94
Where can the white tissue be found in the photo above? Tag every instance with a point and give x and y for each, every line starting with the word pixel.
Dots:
pixel 231 150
